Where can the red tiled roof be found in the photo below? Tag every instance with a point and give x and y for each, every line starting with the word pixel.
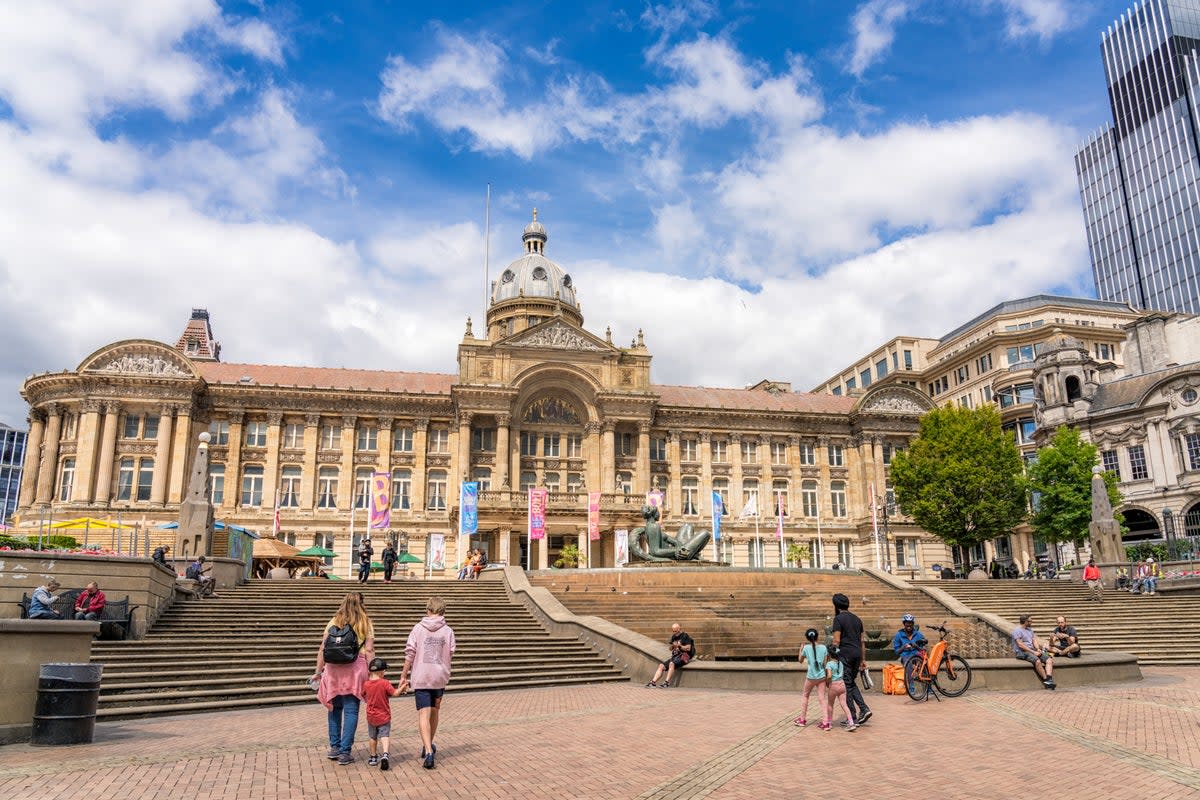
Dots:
pixel 366 380
pixel 753 400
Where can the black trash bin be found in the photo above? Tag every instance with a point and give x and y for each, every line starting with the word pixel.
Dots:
pixel 65 710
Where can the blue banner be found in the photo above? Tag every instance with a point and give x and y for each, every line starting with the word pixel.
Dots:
pixel 468 512
pixel 718 509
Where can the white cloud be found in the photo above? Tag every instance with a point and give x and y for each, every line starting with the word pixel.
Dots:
pixel 874 26
pixel 1040 18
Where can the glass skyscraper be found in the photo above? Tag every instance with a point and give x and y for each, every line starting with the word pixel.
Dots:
pixel 12 457
pixel 1139 178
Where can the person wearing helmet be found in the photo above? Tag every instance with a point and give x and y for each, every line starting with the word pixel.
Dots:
pixel 908 640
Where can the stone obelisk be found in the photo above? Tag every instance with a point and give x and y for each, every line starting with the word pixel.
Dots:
pixel 1104 534
pixel 195 534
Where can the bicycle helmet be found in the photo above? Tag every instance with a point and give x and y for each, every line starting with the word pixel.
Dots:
pixel 811 634
pixel 907 618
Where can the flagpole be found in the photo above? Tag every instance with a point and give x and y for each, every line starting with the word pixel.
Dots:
pixel 779 527
pixel 875 527
pixel 528 529
pixel 352 553
pixel 716 550
pixel 820 543
pixel 487 228
pixel 757 535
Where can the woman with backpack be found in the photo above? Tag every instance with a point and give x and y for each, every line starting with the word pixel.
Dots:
pixel 347 646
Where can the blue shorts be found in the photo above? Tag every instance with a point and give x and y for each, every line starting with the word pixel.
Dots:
pixel 428 698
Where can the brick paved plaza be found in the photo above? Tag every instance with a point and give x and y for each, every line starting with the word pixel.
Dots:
pixel 1136 740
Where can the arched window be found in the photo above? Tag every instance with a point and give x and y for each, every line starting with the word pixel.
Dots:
pixel 1073 390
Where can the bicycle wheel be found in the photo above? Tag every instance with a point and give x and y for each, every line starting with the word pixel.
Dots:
pixel 953 677
pixel 916 685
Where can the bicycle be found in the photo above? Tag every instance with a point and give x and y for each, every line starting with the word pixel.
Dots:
pixel 934 670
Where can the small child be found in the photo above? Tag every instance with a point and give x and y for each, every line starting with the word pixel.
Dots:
pixel 837 691
pixel 376 692
pixel 813 657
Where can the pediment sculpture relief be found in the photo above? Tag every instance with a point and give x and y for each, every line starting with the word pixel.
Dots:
pixel 144 364
pixel 896 403
pixel 562 337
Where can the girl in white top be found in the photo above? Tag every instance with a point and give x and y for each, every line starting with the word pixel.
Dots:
pixel 813 657
pixel 837 691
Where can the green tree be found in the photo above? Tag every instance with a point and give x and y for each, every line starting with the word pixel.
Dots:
pixel 961 477
pixel 1061 482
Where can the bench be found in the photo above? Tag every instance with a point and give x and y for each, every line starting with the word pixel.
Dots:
pixel 117 615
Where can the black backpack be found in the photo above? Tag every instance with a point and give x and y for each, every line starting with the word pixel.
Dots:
pixel 341 645
pixel 192 572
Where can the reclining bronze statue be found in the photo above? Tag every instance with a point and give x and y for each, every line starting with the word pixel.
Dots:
pixel 650 543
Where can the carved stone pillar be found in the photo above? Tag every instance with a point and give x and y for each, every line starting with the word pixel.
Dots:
pixel 49 463
pixel 308 475
pixel 33 456
pixel 823 498
pixel 461 465
pixel 420 447
pixel 706 475
pixel 162 456
pixel 85 455
pixel 736 496
pixel 177 483
pixel 675 479
pixel 643 459
pixel 503 456
pixel 595 467
pixel 102 492
pixel 346 478
pixel 271 468
pixel 233 462
pixel 514 460
pixel 608 456
pixel 386 425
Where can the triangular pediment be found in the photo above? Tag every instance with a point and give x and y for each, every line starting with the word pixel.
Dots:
pixel 557 334
pixel 140 357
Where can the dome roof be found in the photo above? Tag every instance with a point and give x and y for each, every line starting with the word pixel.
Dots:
pixel 534 275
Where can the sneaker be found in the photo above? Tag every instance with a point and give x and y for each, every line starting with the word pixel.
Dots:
pixel 333 753
pixel 825 726
pixel 866 715
pixel 384 764
pixel 1049 684
pixel 429 761
pixel 664 685
pixel 423 750
pixel 801 722
pixel 651 685
pixel 372 761
pixel 851 727
pixel 344 759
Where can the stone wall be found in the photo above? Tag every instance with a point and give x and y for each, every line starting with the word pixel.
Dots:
pixel 27 644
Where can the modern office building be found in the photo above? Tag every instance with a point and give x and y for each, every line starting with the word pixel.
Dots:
pixel 1139 178
pixel 12 458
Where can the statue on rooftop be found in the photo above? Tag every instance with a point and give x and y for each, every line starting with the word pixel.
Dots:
pixel 650 543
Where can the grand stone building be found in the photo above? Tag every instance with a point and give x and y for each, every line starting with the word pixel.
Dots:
pixel 537 401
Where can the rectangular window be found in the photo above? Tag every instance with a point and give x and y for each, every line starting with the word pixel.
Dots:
pixel 401 489
pixel 289 487
pixel 755 546
pixel 881 368
pixel 435 499
pixel 837 498
pixel 984 363
pixel 529 444
pixel 482 476
pixel 1191 443
pixel 836 392
pixel 779 454
pixel 887 453
pixel 846 553
pixel 626 444
pixel 688 450
pixel 550 442
pixel 1137 463
pixel 749 451
pixel 625 482
pixel 865 378
pixel 216 473
pixel 689 496
pixel 402 439
pixel 439 441
pixel 125 473
pixel 218 431
pixel 721 487
pixel 483 440
pixel 808 454
pixel 961 375
pixel 69 430
pixel 1103 352
pixel 550 481
pixel 145 478
pixel 293 435
pixel 1017 355
pixel 150 428
pixel 252 485
pixel 331 437
pixel 906 553
pixel 851 384
pixel 367 439
pixel 574 481
pixel 720 451
pixel 750 495
pixel 658 448
pixel 574 445
pixel 327 487
pixel 779 498
pixel 66 479
pixel 133 425
pixel 908 360
pixel 528 480
pixel 362 489
pixel 808 498
pixel 836 458
pixel 1111 462
pixel 256 434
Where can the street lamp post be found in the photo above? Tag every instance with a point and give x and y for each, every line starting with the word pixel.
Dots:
pixel 1169 531
pixel 887 532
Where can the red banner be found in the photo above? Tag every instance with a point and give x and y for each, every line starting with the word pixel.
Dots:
pixel 537 513
pixel 593 516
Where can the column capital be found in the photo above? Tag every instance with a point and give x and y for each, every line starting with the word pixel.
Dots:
pixel 793 440
pixel 386 423
pixel 275 418
pixel 237 416
pixel 421 424
pixel 167 410
pixel 349 420
pixel 823 441
pixel 591 428
pixel 504 420
pixel 643 426
pixel 735 438
pixel 90 406
pixel 706 437
pixel 54 409
pixel 608 425
pixel 312 420
pixel 36 415
pixel 465 417
pixel 674 435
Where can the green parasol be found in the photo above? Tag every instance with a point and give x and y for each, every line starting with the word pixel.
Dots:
pixel 409 558
pixel 319 552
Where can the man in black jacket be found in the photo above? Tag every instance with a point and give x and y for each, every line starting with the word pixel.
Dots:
pixel 851 641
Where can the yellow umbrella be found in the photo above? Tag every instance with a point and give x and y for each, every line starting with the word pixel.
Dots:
pixel 88 523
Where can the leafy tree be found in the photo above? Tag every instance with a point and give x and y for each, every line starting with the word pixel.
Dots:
pixel 961 477
pixel 1061 480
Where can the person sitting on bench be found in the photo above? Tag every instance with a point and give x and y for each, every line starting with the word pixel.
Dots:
pixel 41 606
pixel 90 604
pixel 683 650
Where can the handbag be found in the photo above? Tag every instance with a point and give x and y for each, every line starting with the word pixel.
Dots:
pixel 867 683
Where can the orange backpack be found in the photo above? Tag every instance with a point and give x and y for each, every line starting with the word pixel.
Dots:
pixel 893 679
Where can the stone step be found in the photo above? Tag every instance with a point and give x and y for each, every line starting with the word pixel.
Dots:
pixel 206 655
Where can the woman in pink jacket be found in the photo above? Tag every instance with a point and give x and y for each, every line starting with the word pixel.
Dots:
pixel 427 671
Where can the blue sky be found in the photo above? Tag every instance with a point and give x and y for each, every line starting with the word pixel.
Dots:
pixel 808 178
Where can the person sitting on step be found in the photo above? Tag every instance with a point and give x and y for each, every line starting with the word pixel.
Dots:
pixel 1027 647
pixel 1064 641
pixel 683 650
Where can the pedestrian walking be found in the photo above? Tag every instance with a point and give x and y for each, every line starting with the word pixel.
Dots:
pixel 347 645
pixel 812 658
pixel 427 656
pixel 851 641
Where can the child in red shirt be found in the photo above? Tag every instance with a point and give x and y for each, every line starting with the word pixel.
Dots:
pixel 377 692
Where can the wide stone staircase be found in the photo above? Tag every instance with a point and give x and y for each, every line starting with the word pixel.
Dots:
pixel 256 645
pixel 1163 629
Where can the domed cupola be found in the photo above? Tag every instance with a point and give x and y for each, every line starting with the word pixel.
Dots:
pixel 531 289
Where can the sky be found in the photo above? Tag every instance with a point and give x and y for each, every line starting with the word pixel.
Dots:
pixel 767 189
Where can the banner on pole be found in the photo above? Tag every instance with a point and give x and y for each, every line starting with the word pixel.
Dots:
pixel 718 510
pixel 537 513
pixel 655 499
pixel 381 501
pixel 468 509
pixel 437 551
pixel 622 547
pixel 593 516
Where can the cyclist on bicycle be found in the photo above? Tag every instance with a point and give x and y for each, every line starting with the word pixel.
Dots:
pixel 908 640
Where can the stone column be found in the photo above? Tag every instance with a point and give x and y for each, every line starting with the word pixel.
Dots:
pixel 460 464
pixel 706 473
pixel 102 493
pixel 49 463
pixel 642 484
pixel 345 495
pixel 826 505
pixel 33 455
pixel 1161 455
pixel 271 468
pixel 675 476
pixel 385 447
pixel 592 455
pixel 85 455
pixel 177 483
pixel 506 546
pixel 514 459
pixel 308 475
pixel 233 462
pixel 503 455
pixel 608 457
pixel 162 456
pixel 420 445
pixel 736 498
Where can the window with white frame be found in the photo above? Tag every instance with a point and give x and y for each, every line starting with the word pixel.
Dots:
pixel 779 454
pixel 362 488
pixel 293 435
pixel 779 492
pixel 837 497
pixel 808 498
pixel 126 470
pixel 836 457
pixel 145 480
pixel 252 485
pixel 256 434
pixel 574 481
pixel 755 547
pixel 401 489
pixel 750 495
pixel 150 427
pixel 845 549
pixel 435 497
pixel 66 479
pixel 218 432
pixel 689 489
pixel 529 442
pixel 133 426
pixel 720 451
pixel 906 553
pixel 1191 446
pixel 1137 463
pixel 439 441
pixel 70 427
pixel 626 443
pixel 574 445
pixel 367 438
pixel 483 440
pixel 331 437
pixel 1111 462
pixel 289 487
pixel 216 475
pixel 551 480
pixel 658 448
pixel 482 476
pixel 550 444
pixel 402 439
pixel 689 450
pixel 327 487
pixel 721 487
pixel 808 454
pixel 749 451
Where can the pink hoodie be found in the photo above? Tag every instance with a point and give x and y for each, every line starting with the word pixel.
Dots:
pixel 430 647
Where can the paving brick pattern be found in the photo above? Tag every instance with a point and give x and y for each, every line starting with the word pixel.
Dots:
pixel 619 741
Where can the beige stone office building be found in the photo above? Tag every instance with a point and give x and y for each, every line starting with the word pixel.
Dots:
pixel 537 401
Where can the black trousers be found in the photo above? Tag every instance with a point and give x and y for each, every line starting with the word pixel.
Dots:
pixel 854 698
pixel 387 571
